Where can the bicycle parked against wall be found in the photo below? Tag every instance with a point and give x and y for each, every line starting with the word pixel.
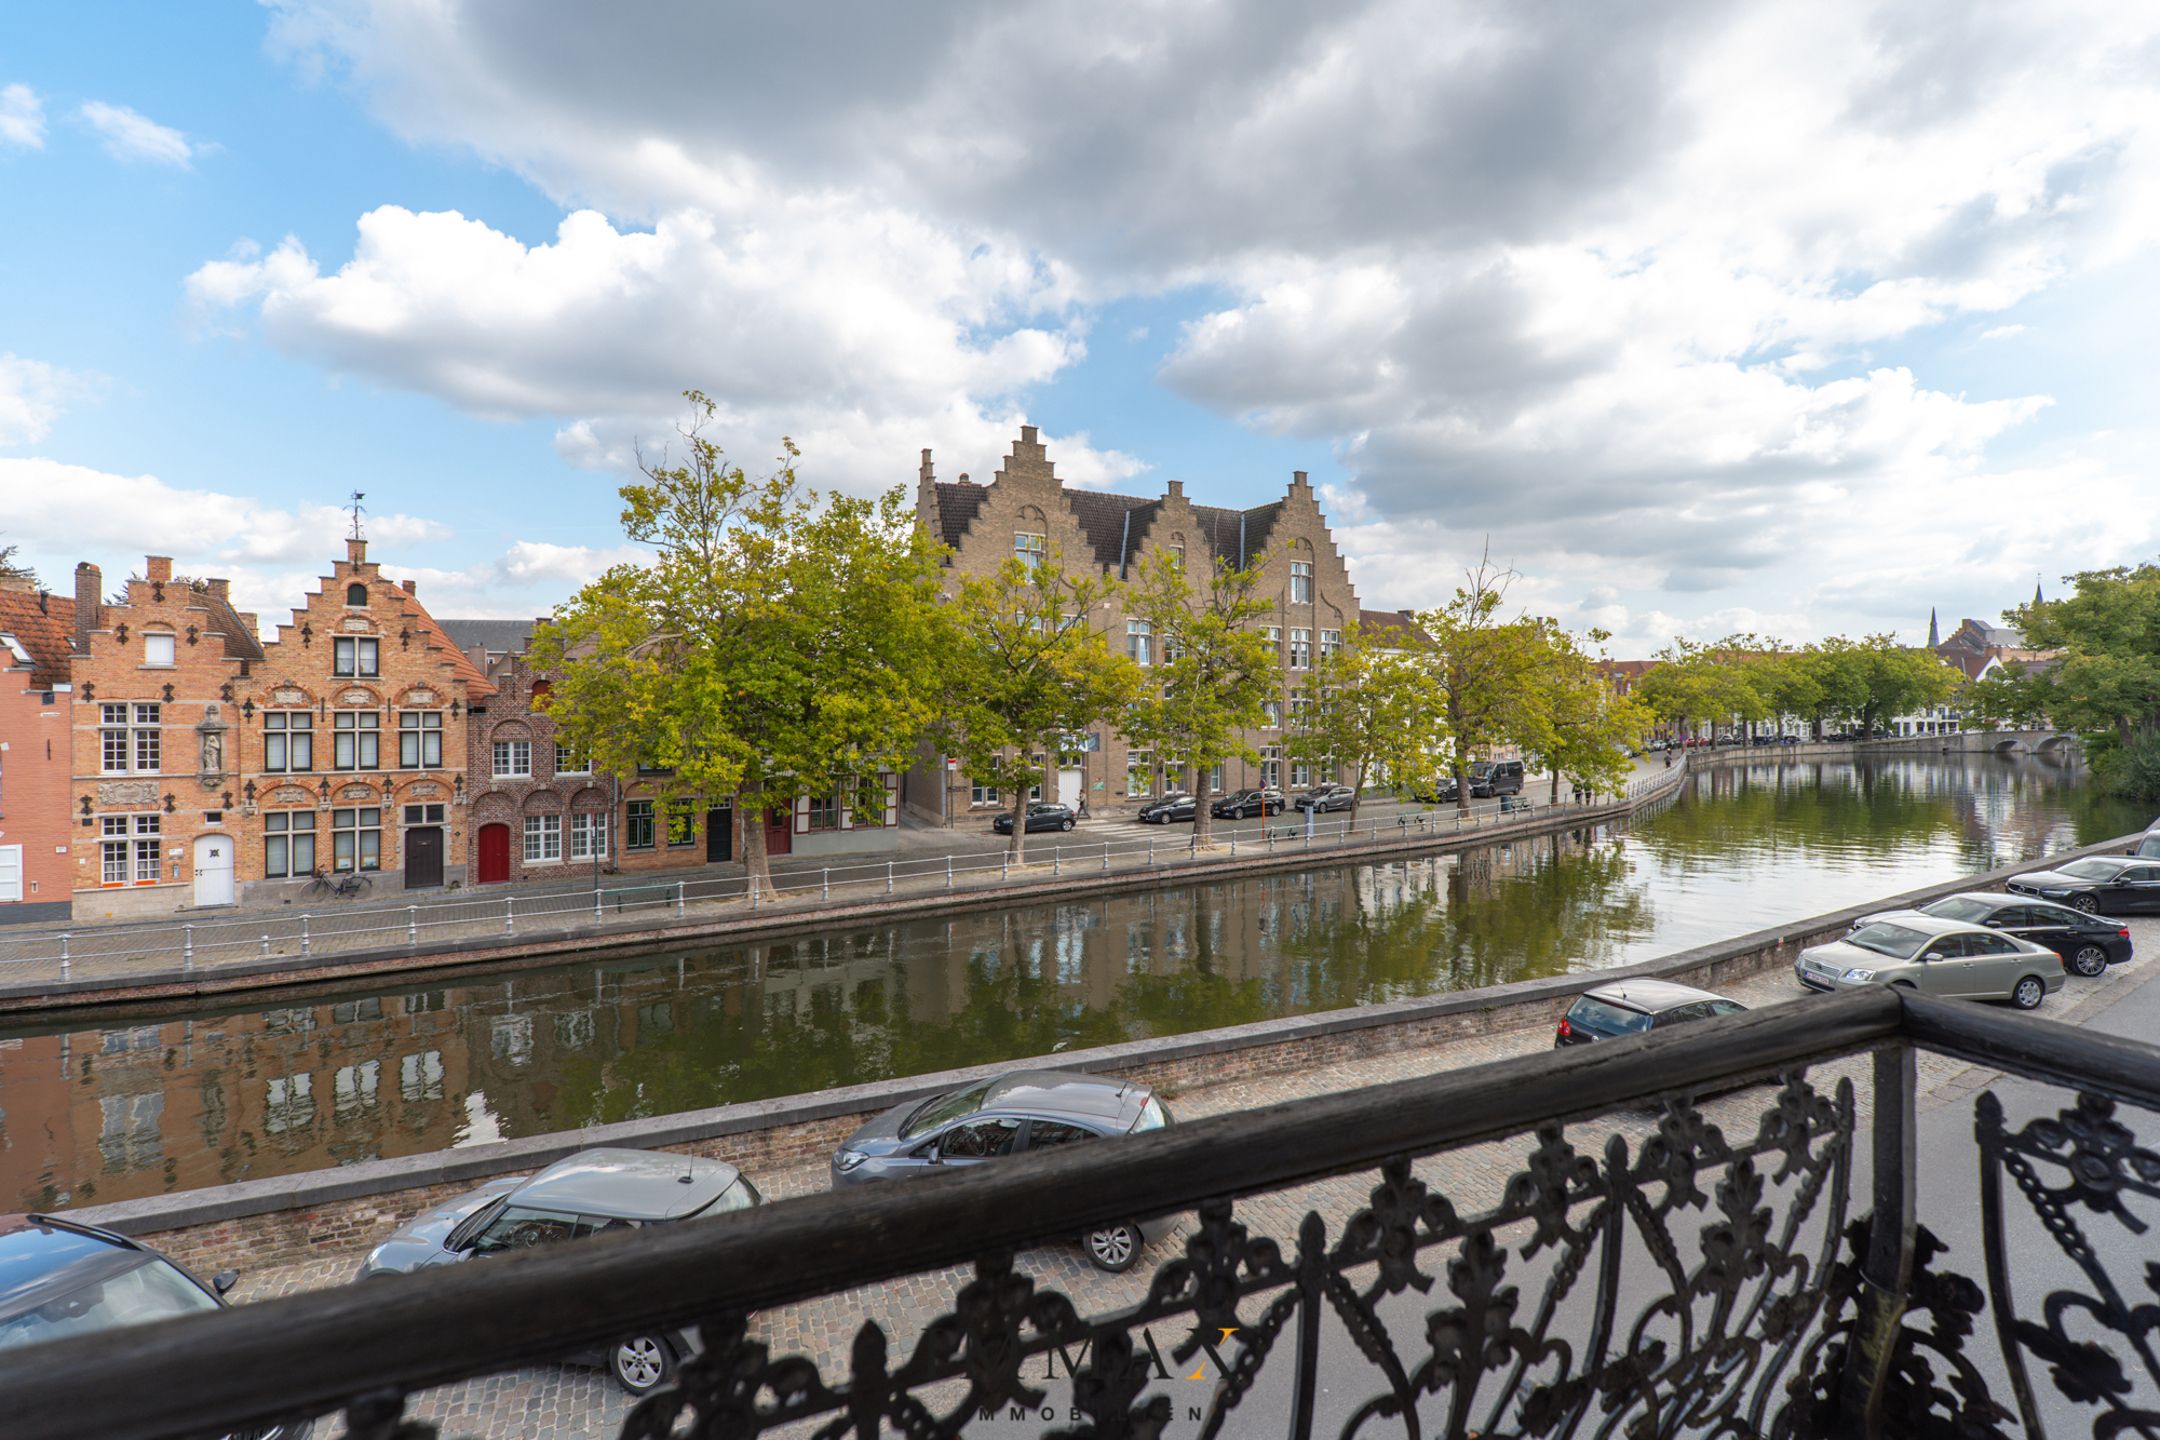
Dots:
pixel 337 887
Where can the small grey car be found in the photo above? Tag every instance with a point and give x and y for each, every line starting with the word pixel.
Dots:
pixel 1021 1113
pixel 592 1192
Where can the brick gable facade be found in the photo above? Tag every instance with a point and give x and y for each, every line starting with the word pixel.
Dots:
pixel 1302 575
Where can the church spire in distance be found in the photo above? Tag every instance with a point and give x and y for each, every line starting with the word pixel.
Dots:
pixel 2037 600
pixel 1934 633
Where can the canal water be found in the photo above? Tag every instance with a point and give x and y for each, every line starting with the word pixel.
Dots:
pixel 93 1109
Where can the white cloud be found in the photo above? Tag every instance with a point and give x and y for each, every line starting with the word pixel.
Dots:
pixel 31 396
pixel 130 135
pixel 22 117
pixel 63 513
pixel 2002 332
pixel 1644 295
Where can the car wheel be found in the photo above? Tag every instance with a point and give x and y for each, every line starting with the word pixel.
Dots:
pixel 2086 903
pixel 1065 824
pixel 2089 960
pixel 643 1364
pixel 1115 1248
pixel 2028 993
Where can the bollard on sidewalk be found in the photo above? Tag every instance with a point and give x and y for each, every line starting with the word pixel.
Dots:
pixel 678 899
pixel 597 892
pixel 948 872
pixel 825 883
pixel 888 877
pixel 412 925
pixel 304 942
pixel 187 948
pixel 266 944
pixel 63 954
pixel 754 892
pixel 1105 857
pixel 509 917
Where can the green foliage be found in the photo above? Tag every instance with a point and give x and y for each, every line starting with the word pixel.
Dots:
pixel 1027 667
pixel 1481 667
pixel 1215 674
pixel 2106 683
pixel 1369 711
pixel 778 644
pixel 1571 722
pixel 1744 679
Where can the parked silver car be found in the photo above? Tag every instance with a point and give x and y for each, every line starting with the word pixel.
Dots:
pixel 1020 1113
pixel 592 1192
pixel 1936 957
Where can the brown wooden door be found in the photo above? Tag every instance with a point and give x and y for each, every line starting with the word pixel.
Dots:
pixel 494 854
pixel 779 832
pixel 423 856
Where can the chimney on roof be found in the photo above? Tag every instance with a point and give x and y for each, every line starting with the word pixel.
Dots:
pixel 355 550
pixel 1297 480
pixel 926 472
pixel 410 587
pixel 157 567
pixel 1027 434
pixel 89 603
pixel 44 602
pixel 1176 490
pixel 222 589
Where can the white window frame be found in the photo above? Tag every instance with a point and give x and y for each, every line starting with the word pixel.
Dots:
pixel 543 839
pixel 355 740
pixel 362 829
pixel 981 794
pixel 281 730
pixel 420 727
pixel 1140 641
pixel 1301 579
pixel 1030 549
pixel 158 651
pixel 513 759
pixel 285 834
pixel 588 836
pixel 356 657
pixel 1301 649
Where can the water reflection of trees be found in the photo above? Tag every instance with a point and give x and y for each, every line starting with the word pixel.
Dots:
pixel 204 1097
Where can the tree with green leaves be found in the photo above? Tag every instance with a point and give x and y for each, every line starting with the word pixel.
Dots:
pixel 1368 712
pixel 1695 684
pixel 2104 682
pixel 1214 672
pixel 1028 666
pixel 1479 663
pixel 777 644
pixel 1571 722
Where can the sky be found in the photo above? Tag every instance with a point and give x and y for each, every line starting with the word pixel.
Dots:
pixel 1702 318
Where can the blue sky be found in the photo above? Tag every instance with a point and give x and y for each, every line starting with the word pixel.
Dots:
pixel 1707 318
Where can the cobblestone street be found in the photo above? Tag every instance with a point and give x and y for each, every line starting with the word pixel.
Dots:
pixel 574 1401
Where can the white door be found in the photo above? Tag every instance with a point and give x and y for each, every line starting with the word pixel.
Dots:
pixel 10 872
pixel 1069 787
pixel 213 870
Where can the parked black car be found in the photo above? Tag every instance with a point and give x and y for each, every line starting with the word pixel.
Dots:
pixel 589 1193
pixel 1017 1113
pixel 1327 797
pixel 1630 1007
pixel 1268 801
pixel 2098 884
pixel 2088 944
pixel 1041 815
pixel 1178 805
pixel 59 1279
pixel 1495 777
pixel 1435 792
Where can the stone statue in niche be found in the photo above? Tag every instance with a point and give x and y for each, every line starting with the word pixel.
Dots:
pixel 210 736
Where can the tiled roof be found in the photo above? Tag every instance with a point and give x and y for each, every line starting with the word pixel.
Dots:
pixel 1388 625
pixel 477 685
pixel 1102 518
pixel 46 630
pixel 492 637
pixel 241 641
pixel 958 503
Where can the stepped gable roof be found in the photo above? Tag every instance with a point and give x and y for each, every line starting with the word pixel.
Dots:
pixel 1103 517
pixel 45 631
pixel 490 637
pixel 958 502
pixel 241 641
pixel 477 685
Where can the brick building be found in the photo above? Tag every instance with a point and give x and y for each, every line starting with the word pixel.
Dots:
pixel 355 722
pixel 1027 511
pixel 537 814
pixel 158 673
pixel 36 760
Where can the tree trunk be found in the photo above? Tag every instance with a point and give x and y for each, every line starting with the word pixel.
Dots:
pixel 1203 820
pixel 1016 849
pixel 1556 784
pixel 750 829
pixel 1461 772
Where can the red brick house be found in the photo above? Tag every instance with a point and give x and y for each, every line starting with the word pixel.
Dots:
pixel 36 632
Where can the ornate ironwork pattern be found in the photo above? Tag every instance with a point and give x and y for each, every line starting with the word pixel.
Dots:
pixel 2079 1168
pixel 1703 1284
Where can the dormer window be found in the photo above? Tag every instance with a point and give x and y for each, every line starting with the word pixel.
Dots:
pixel 157 648
pixel 356 594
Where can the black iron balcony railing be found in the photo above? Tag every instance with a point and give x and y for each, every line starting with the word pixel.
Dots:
pixel 1694 1267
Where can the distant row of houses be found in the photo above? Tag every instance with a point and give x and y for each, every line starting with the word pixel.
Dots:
pixel 157 754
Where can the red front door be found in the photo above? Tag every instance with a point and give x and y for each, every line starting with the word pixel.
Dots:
pixel 494 854
pixel 779 832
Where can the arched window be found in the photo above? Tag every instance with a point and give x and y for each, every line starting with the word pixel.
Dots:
pixel 356 594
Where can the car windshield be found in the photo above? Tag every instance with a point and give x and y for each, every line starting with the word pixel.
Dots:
pixel 1972 912
pixel 939 1109
pixel 151 1289
pixel 1603 1018
pixel 2092 869
pixel 1896 941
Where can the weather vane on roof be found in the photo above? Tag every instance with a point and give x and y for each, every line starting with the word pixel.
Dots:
pixel 357 497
